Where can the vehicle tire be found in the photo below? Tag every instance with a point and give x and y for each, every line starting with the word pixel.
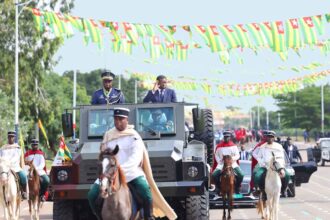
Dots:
pixel 63 209
pixel 291 190
pixel 203 125
pixel 323 163
pixel 197 207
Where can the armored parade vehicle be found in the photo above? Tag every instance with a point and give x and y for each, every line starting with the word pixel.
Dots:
pixel 178 153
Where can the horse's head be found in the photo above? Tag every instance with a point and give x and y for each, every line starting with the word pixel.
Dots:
pixel 109 171
pixel 274 164
pixel 31 169
pixel 4 170
pixel 227 160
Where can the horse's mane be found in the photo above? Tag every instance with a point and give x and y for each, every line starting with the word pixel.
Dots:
pixel 122 177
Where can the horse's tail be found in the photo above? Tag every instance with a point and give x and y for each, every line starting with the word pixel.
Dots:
pixel 260 204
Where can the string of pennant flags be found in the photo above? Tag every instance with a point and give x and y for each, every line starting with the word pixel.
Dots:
pixel 235 89
pixel 161 40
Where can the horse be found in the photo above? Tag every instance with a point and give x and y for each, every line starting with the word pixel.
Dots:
pixel 9 191
pixel 34 190
pixel 269 208
pixel 114 190
pixel 227 181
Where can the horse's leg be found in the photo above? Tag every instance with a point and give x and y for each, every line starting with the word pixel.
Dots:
pixel 224 206
pixel 30 209
pixel 230 204
pixel 262 208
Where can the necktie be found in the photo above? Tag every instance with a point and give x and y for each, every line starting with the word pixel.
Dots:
pixel 161 95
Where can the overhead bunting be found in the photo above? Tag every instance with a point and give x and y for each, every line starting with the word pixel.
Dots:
pixel 235 89
pixel 279 36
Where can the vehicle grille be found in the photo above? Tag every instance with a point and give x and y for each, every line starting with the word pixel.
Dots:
pixel 88 170
pixel 163 169
pixel 245 188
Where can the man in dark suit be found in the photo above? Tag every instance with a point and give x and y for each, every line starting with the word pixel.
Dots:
pixel 292 151
pixel 243 154
pixel 160 93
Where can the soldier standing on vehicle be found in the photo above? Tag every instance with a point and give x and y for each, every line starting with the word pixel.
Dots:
pixel 130 157
pixel 107 95
pixel 226 147
pixel 37 156
pixel 263 155
pixel 13 152
pixel 160 93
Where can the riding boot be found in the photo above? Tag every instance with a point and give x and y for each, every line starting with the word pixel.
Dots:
pixel 23 192
pixel 284 188
pixel 148 210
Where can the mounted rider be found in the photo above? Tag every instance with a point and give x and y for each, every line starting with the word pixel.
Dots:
pixel 13 152
pixel 37 156
pixel 263 155
pixel 132 157
pixel 227 147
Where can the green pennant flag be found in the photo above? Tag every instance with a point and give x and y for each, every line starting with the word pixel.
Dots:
pixel 243 36
pixel 278 36
pixel 258 36
pixel 267 31
pixel 230 35
pixel 318 23
pixel 213 37
pixel 92 31
pixel 308 30
pixel 168 36
pixel 293 38
pixel 37 17
pixel 131 32
pixel 182 52
pixel 327 17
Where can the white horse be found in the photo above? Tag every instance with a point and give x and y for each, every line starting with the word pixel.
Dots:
pixel 9 191
pixel 273 184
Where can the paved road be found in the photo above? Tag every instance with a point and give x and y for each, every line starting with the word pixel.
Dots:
pixel 312 201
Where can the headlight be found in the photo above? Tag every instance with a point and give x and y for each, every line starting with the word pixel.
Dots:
pixel 62 175
pixel 192 171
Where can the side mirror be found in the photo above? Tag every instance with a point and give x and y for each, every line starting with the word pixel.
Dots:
pixel 67 124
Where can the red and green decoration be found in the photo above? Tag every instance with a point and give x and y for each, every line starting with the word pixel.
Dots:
pixel 160 40
pixel 235 89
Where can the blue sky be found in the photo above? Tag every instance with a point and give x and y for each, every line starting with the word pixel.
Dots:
pixel 73 55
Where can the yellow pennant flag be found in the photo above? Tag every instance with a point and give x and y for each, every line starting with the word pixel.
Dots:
pixel 43 131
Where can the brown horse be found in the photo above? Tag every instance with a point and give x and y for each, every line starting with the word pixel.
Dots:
pixel 113 189
pixel 227 181
pixel 34 190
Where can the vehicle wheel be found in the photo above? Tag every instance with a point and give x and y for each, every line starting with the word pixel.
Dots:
pixel 323 163
pixel 63 209
pixel 291 190
pixel 197 207
pixel 203 125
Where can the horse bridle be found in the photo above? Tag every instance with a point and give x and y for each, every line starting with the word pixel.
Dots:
pixel 112 180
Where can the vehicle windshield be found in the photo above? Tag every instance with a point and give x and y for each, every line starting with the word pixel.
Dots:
pixel 159 119
pixel 246 167
pixel 99 121
pixel 325 143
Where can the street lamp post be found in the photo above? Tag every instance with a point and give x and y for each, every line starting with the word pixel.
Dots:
pixel 16 69
pixel 17 14
pixel 322 109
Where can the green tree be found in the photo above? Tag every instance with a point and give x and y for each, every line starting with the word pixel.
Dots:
pixel 302 109
pixel 35 61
